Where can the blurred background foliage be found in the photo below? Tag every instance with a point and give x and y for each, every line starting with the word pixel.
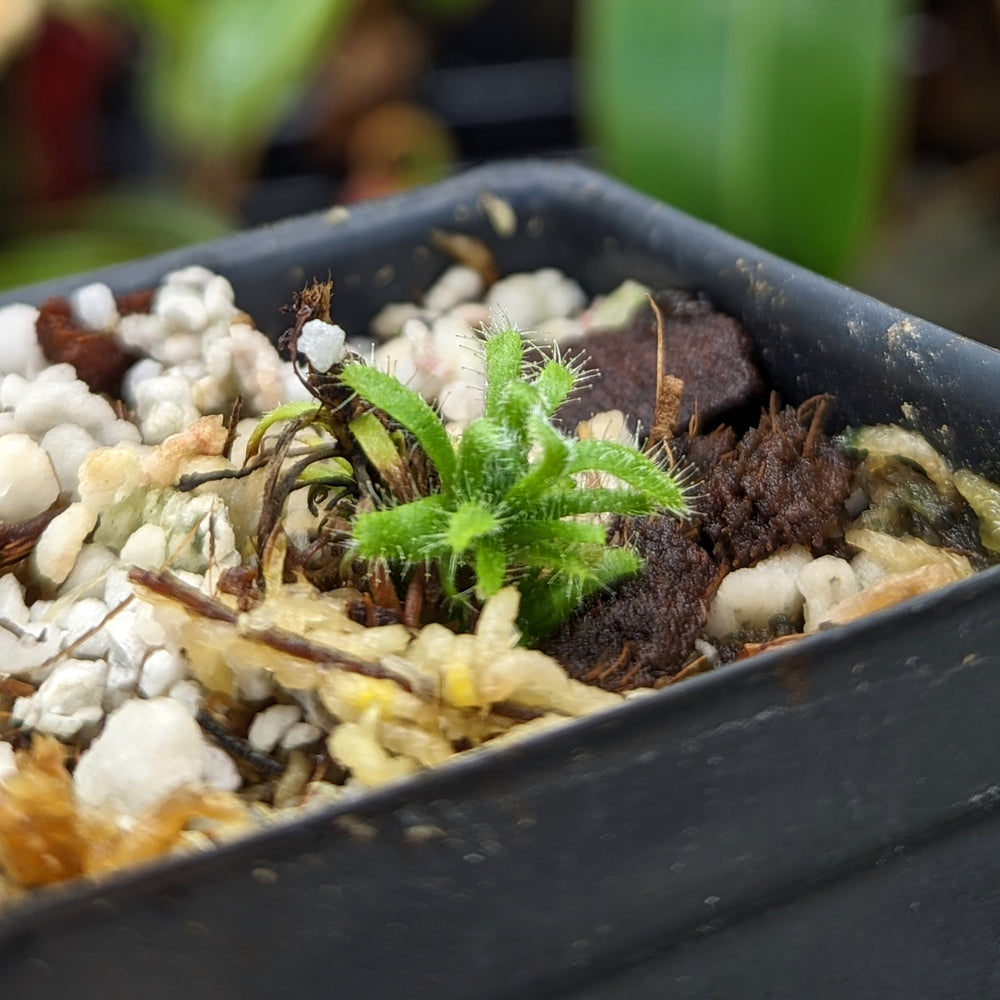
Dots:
pixel 859 137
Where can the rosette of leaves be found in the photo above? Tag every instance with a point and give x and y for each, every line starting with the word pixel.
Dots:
pixel 514 497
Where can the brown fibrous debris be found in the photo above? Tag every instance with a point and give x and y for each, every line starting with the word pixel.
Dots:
pixel 47 836
pixel 784 483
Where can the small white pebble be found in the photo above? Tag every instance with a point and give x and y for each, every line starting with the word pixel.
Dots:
pixel 142 331
pixel 218 297
pixel 188 693
pixel 107 476
pixel 302 734
pixel 322 343
pixel 458 284
pixel 388 321
pixel 79 618
pixel 87 578
pixel 147 750
pixel 527 299
pixel 12 388
pixel 19 350
pixel 219 770
pixel 161 670
pixel 258 368
pixel 825 582
pixel 56 375
pixel 68 701
pixel 46 404
pixel 269 726
pixel 28 483
pixel 67 446
pixel 146 547
pixel 12 606
pixel 117 587
pixel 180 309
pixel 61 542
pixel 752 597
pixel 119 432
pixel 8 762
pixel 94 307
pixel 142 370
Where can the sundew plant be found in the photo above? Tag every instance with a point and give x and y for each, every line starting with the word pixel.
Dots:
pixel 510 503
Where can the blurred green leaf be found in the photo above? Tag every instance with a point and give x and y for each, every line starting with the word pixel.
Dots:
pixel 772 118
pixel 222 72
pixel 107 230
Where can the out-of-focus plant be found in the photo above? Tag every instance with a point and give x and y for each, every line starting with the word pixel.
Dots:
pixel 776 119
pixel 216 79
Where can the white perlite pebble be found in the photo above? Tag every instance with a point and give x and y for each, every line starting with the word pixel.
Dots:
pixel 754 596
pixel 146 547
pixel 301 735
pixel 79 618
pixel 270 725
pixel 188 695
pixel 161 670
pixel 219 770
pixel 48 402
pixel 19 350
pixel 12 606
pixel 825 582
pixel 94 307
pixel 322 343
pixel 164 407
pixel 68 701
pixel 61 542
pixel 87 578
pixel 458 284
pixel 148 750
pixel 67 446
pixel 529 299
pixel 12 388
pixel 107 476
pixel 28 483
pixel 8 762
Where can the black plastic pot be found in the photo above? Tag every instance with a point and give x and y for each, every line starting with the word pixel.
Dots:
pixel 817 821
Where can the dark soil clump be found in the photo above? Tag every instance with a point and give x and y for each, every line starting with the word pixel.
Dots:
pixel 711 353
pixel 645 629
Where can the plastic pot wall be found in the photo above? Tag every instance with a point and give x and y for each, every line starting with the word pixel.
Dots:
pixel 818 820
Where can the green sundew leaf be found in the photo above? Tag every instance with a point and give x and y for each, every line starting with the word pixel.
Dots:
pixel 583 500
pixel 334 472
pixel 469 522
pixel 515 405
pixel 488 461
pixel 407 408
pixel 554 383
pixel 778 118
pixel 491 568
pixel 412 532
pixel 548 469
pixel 633 468
pixel 503 351
pixel 548 600
pixel 524 535
pixel 306 411
pixel 381 451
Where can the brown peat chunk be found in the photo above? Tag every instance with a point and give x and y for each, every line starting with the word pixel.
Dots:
pixel 645 629
pixel 710 353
